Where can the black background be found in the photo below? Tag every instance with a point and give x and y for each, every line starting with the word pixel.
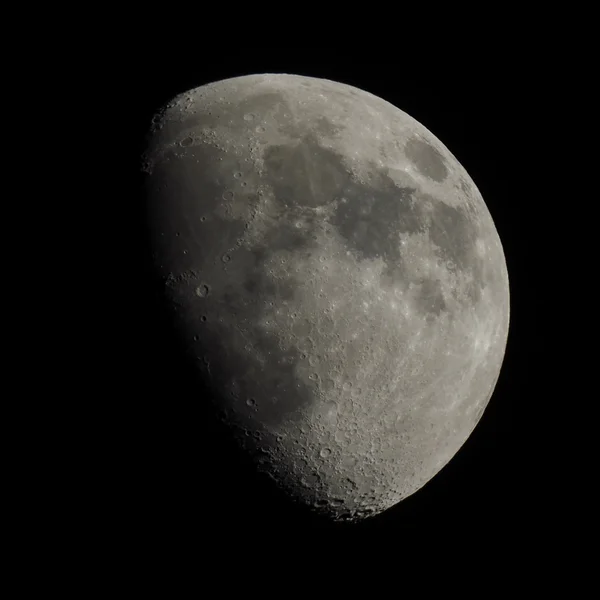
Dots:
pixel 174 486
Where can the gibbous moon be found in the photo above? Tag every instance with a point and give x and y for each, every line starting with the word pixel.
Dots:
pixel 337 275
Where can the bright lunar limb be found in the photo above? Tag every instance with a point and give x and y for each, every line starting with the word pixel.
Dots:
pixel 337 274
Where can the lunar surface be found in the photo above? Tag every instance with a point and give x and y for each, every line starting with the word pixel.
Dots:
pixel 337 277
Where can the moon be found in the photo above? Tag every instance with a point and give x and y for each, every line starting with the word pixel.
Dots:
pixel 337 277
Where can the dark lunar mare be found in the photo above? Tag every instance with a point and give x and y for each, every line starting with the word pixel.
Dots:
pixel 370 216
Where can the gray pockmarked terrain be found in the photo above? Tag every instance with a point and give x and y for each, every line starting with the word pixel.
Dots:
pixel 337 274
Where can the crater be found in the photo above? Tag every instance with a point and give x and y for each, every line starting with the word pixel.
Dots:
pixel 427 159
